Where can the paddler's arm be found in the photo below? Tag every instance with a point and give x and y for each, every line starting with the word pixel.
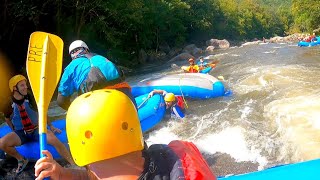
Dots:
pixel 8 121
pixel 78 174
pixel 158 91
pixel 7 116
pixel 63 101
pixel 52 128
pixel 48 167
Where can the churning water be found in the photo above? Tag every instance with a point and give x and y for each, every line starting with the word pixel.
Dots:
pixel 272 116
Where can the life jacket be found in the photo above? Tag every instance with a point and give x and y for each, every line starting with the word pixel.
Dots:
pixel 177 160
pixel 202 65
pixel 310 38
pixel 180 102
pixel 28 125
pixel 192 70
pixel 25 116
pixel 118 86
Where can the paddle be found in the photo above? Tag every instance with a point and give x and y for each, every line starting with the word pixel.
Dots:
pixel 44 65
pixel 144 102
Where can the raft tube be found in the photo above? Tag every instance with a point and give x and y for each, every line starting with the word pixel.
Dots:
pixel 193 85
pixel 309 44
pixel 151 111
pixel 302 170
pixel 31 150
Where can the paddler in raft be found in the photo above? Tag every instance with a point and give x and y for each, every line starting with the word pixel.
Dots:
pixel 202 63
pixel 192 68
pixel 174 104
pixel 22 117
pixel 87 72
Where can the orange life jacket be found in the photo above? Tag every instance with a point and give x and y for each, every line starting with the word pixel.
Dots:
pixel 118 86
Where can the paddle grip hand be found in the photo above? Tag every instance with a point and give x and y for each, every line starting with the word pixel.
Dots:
pixel 47 168
pixel 150 94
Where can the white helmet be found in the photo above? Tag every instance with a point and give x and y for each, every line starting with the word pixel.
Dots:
pixel 76 44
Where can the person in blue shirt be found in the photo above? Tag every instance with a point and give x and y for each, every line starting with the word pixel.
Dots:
pixel 174 105
pixel 87 72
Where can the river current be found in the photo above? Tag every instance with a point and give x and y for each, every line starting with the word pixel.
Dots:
pixel 272 116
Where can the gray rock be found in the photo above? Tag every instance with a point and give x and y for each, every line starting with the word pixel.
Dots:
pixel 142 56
pixel 182 57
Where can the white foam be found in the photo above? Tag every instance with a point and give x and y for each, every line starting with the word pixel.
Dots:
pixel 161 136
pixel 233 142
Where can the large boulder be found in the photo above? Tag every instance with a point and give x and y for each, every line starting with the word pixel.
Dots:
pixel 216 43
pixel 276 39
pixel 193 50
pixel 251 43
pixel 213 42
pixel 209 49
pixel 182 57
pixel 224 44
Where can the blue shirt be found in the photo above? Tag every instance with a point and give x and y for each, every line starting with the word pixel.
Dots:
pixel 77 71
pixel 176 112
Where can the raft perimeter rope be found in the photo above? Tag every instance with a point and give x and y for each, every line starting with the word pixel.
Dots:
pixel 185 102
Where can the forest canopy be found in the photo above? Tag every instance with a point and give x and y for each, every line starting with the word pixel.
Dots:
pixel 119 29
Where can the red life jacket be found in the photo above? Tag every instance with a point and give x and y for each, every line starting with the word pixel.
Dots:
pixel 180 102
pixel 194 165
pixel 177 160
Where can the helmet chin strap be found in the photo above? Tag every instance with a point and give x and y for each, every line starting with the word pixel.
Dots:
pixel 18 91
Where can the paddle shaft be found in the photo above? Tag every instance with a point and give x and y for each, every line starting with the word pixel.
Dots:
pixel 143 102
pixel 41 105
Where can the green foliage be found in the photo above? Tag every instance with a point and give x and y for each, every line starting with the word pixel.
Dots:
pixel 306 15
pixel 121 28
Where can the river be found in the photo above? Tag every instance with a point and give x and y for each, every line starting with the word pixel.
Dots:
pixel 272 116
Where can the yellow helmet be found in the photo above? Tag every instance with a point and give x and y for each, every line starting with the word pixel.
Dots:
pixel 102 124
pixel 169 97
pixel 14 81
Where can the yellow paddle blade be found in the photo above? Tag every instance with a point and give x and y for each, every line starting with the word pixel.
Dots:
pixel 44 62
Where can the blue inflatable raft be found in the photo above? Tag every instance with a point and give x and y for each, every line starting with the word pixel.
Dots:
pixel 151 111
pixel 193 85
pixel 203 71
pixel 309 44
pixel 206 70
pixel 309 170
pixel 31 150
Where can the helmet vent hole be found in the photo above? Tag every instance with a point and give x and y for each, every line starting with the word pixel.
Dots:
pixel 88 134
pixel 125 125
pixel 87 95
